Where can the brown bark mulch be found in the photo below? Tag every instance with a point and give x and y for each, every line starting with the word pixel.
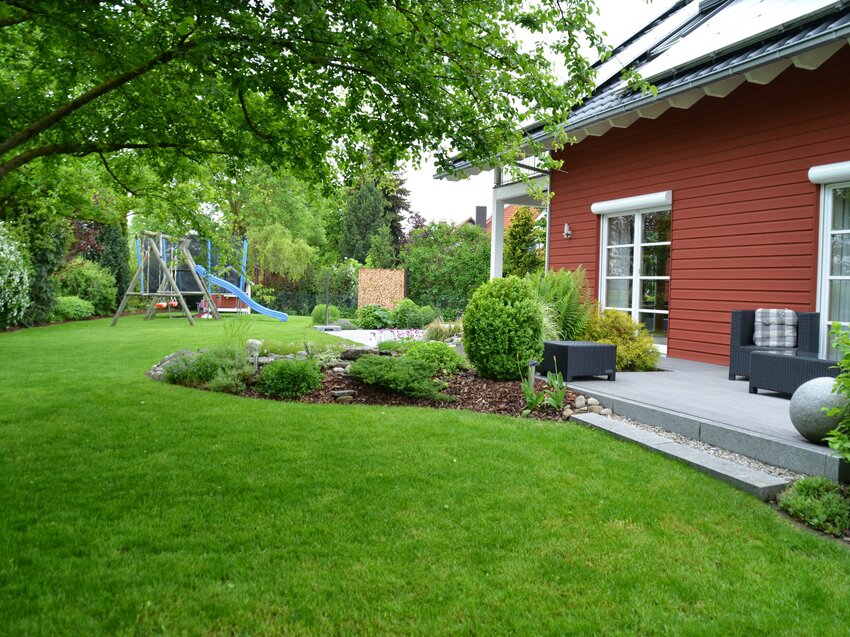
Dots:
pixel 471 391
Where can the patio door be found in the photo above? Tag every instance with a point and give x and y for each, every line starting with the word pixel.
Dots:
pixel 636 268
pixel 835 263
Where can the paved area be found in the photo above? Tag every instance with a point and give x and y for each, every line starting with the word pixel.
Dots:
pixel 699 401
pixel 373 337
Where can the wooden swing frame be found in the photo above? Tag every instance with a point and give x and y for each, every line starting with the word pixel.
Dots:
pixel 167 287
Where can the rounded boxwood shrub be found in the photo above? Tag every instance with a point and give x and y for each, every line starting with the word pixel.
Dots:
pixel 14 273
pixel 444 357
pixel 502 328
pixel 91 282
pixel 318 314
pixel 373 317
pixel 635 348
pixel 72 308
pixel 289 378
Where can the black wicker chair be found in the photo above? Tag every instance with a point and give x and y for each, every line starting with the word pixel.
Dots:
pixel 741 344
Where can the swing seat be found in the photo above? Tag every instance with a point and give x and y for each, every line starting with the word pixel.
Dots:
pixel 161 305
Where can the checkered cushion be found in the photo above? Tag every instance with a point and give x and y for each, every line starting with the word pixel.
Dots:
pixel 775 328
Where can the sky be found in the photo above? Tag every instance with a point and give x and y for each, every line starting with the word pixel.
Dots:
pixel 441 200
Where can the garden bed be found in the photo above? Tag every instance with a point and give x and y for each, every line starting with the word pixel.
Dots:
pixel 470 391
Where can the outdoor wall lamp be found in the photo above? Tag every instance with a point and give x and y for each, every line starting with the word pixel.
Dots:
pixel 568 234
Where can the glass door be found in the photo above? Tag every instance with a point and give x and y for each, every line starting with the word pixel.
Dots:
pixel 636 267
pixel 835 264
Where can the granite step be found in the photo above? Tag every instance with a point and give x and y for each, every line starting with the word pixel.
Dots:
pixel 753 481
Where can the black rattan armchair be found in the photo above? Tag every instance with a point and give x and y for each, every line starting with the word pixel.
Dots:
pixel 741 342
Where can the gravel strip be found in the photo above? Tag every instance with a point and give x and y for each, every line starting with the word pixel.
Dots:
pixel 731 456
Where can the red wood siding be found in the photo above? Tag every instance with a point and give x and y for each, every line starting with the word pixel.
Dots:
pixel 745 217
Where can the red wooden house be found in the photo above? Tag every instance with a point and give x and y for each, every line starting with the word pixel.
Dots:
pixel 729 189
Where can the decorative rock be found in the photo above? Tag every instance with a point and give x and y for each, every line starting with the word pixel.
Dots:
pixel 580 410
pixel 567 413
pixel 339 393
pixel 606 412
pixel 580 401
pixel 807 405
pixel 265 360
pixel 345 399
pixel 158 371
pixel 353 353
pixel 252 346
pixel 340 370
pixel 591 402
pixel 595 409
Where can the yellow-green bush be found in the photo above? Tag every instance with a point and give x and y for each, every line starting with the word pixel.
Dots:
pixel 635 347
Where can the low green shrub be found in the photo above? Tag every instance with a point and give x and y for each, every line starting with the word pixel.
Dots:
pixel 635 348
pixel 318 314
pixel 818 502
pixel 396 345
pixel 439 331
pixel 89 281
pixel 72 308
pixel 285 378
pixel 399 374
pixel 223 368
pixel 406 315
pixel 427 315
pixel 345 324
pixel 444 357
pixel 373 317
pixel 502 328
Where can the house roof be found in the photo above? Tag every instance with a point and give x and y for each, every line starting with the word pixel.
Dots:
pixel 702 48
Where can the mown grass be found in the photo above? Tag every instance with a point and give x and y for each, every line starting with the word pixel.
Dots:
pixel 135 507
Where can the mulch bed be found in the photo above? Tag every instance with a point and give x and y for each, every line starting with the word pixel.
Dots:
pixel 471 391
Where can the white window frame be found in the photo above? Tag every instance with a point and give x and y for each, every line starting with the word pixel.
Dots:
pixel 830 177
pixel 825 263
pixel 637 258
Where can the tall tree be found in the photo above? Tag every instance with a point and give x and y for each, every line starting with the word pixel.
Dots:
pixel 382 252
pixel 445 264
pixel 523 243
pixel 318 86
pixel 397 199
pixel 365 213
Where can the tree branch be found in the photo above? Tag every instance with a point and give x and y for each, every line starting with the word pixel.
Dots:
pixel 25 134
pixel 73 149
pixel 12 21
pixel 248 120
pixel 114 176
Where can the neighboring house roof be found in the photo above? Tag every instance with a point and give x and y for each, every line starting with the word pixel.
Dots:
pixel 704 48
pixel 510 211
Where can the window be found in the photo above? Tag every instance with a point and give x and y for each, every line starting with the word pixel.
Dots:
pixel 835 262
pixel 636 267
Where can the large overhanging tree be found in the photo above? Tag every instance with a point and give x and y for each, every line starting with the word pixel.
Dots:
pixel 318 86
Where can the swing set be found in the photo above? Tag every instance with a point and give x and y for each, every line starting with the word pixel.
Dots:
pixel 167 254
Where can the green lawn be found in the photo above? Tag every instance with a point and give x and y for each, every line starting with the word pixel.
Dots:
pixel 134 507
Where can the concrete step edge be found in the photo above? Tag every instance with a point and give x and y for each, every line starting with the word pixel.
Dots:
pixel 758 483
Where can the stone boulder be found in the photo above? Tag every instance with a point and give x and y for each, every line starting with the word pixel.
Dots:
pixel 807 409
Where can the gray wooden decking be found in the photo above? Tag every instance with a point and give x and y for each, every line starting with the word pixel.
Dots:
pixel 699 401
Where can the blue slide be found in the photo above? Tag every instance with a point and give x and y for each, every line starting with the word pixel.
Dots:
pixel 247 300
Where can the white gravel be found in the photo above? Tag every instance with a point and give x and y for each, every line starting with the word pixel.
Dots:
pixel 731 456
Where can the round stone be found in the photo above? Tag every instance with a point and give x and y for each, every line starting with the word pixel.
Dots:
pixel 807 405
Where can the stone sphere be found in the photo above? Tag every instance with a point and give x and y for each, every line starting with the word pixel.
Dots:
pixel 807 405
